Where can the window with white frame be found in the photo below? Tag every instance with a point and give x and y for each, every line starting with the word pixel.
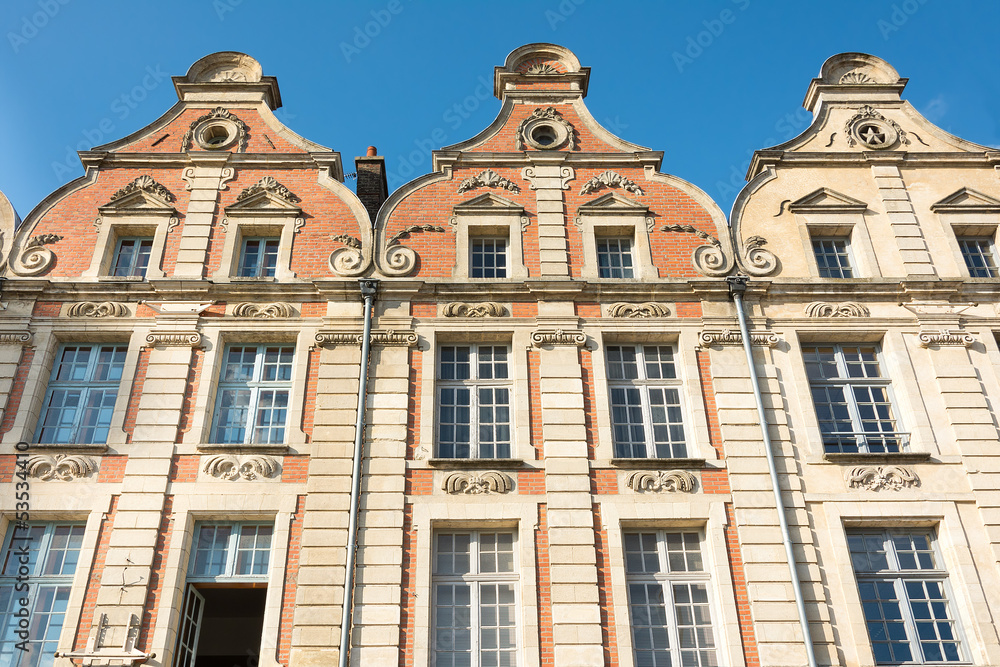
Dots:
pixel 852 399
pixel 50 553
pixel 475 599
pixel 668 593
pixel 488 258
pixel 905 597
pixel 474 387
pixel 252 402
pixel 258 257
pixel 979 254
pixel 226 588
pixel 131 257
pixel 80 398
pixel 614 257
pixel 833 257
pixel 646 414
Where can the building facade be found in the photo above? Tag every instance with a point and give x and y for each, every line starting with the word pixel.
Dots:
pixel 600 423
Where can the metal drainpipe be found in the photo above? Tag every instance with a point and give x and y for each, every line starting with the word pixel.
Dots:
pixel 737 286
pixel 369 288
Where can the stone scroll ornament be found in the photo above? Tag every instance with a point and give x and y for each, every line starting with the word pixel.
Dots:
pixel 486 309
pixel 97 310
pixel 35 258
pixel 611 179
pixel 709 258
pixel 351 259
pixel 638 310
pixel 61 467
pixel 489 179
pixel 263 311
pixel 399 260
pixel 758 261
pixel 234 467
pixel 661 481
pixel 877 478
pixel 842 309
pixel 472 483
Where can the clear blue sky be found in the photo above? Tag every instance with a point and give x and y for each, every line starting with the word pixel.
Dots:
pixel 705 82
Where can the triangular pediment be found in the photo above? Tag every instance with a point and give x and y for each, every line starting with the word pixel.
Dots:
pixel 967 200
pixel 138 202
pixel 613 204
pixel 263 203
pixel 826 200
pixel 489 203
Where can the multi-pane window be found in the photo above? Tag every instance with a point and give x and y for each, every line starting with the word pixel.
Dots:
pixel 230 550
pixel 904 594
pixel 475 595
pixel 614 258
pixel 473 402
pixel 852 399
pixel 258 258
pixel 646 415
pixel 131 257
pixel 669 600
pixel 833 257
pixel 979 256
pixel 50 552
pixel 80 398
pixel 252 404
pixel 489 258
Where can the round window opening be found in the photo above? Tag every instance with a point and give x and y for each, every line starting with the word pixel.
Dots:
pixel 875 134
pixel 215 135
pixel 544 135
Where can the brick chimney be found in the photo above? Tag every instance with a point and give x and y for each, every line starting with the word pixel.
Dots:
pixel 373 189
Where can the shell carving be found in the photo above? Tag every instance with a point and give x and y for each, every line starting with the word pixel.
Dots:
pixel 492 481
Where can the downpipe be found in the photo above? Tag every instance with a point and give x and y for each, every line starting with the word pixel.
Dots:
pixel 737 287
pixel 369 289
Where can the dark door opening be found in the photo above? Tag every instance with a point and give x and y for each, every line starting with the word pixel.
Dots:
pixel 229 628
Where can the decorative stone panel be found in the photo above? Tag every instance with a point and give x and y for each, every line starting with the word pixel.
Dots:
pixel 62 467
pixel 661 481
pixel 733 337
pixel 490 179
pixel 486 309
pixel 945 337
pixel 174 338
pixel 94 309
pixel 611 179
pixel 638 310
pixel 263 311
pixel 472 483
pixel 235 467
pixel 842 309
pixel 558 337
pixel 876 478
pixel 15 337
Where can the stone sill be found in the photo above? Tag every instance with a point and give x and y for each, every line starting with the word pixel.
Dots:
pixel 242 448
pixel 877 457
pixel 51 447
pixel 121 279
pixel 659 464
pixel 475 463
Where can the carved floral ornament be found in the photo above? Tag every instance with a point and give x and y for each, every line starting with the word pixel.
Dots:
pixel 61 467
pixel 235 467
pixel 97 310
pixel 661 481
pixel 35 258
pixel 545 129
pixel 842 309
pixel 638 310
pixel 472 483
pixel 945 337
pixel 144 183
pixel 733 337
pixel 264 311
pixel 877 478
pixel 490 179
pixel 486 309
pixel 855 77
pixel 558 337
pixel 611 179
pixel 873 130
pixel 269 184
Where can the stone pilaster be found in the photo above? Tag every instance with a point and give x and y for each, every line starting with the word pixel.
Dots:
pixel 208 175
pixel 548 179
pixel 903 220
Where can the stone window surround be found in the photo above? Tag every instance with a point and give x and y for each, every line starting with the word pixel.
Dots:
pixel 479 513
pixel 47 344
pixel 189 509
pixel 968 600
pixel 849 226
pixel 983 225
pixel 684 343
pixel 50 508
pixel 904 385
pixel 623 225
pixel 214 341
pixel 518 342
pixel 708 516
pixel 235 230
pixel 498 225
pixel 111 230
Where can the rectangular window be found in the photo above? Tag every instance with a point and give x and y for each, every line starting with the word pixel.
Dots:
pixel 646 415
pixel 475 600
pixel 81 395
pixel 227 574
pixel 474 388
pixel 904 595
pixel 614 258
pixel 252 403
pixel 489 258
pixel 131 257
pixel 852 399
pixel 668 600
pixel 258 258
pixel 53 551
pixel 833 257
pixel 979 256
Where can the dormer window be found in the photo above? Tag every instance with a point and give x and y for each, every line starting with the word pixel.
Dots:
pixel 131 257
pixel 258 258
pixel 614 258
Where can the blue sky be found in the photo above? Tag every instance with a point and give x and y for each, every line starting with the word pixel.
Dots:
pixel 705 82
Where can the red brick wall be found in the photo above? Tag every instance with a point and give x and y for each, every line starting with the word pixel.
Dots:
pixel 715 481
pixel 8 464
pixel 17 389
pixel 586 358
pixel 711 407
pixel 524 309
pixel 747 635
pixel 112 468
pixel 419 482
pixel 603 480
pixel 175 130
pixel 535 404
pixel 416 358
pixel 294 469
pixel 46 309
pixel 543 580
pixel 309 400
pixel 142 366
pixel 423 309
pixel 94 577
pixel 290 582
pixel 531 482
pixel 604 598
pixel 190 389
pixel 184 468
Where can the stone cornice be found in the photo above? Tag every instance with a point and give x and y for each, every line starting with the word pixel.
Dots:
pixel 865 158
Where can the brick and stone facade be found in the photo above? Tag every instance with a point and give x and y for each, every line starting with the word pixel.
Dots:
pixel 556 366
